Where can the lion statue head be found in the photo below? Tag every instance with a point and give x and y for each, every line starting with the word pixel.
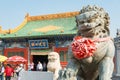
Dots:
pixel 92 22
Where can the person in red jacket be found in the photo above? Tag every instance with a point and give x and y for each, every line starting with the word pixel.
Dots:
pixel 8 72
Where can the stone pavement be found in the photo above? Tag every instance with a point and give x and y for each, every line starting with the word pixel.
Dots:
pixel 14 78
pixel 37 75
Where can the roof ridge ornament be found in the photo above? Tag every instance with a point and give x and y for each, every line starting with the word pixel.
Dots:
pixel 27 15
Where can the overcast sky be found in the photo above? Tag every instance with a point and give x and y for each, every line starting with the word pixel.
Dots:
pixel 12 12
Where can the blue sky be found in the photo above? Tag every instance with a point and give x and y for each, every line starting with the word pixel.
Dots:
pixel 12 12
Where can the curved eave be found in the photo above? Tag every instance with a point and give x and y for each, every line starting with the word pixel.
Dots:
pixel 31 36
pixel 41 17
pixel 52 16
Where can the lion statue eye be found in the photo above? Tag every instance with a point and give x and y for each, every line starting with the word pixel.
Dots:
pixel 89 20
pixel 81 22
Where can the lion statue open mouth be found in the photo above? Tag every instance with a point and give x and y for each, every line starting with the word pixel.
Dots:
pixel 92 50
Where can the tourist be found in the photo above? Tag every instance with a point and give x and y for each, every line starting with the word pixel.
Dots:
pixel 29 67
pixel 19 71
pixel 44 66
pixel 39 66
pixel 32 66
pixel 2 72
pixel 8 72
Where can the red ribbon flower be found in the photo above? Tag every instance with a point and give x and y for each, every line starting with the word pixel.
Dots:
pixel 82 47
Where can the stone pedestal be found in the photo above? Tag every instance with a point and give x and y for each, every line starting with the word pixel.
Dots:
pixel 116 77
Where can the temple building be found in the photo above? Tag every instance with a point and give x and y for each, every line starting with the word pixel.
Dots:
pixel 36 36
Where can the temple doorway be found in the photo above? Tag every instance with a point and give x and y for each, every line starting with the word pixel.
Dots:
pixel 42 58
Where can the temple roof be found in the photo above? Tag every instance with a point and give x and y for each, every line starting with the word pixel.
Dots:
pixel 43 25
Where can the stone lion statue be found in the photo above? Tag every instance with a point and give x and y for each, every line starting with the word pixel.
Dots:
pixel 54 64
pixel 92 50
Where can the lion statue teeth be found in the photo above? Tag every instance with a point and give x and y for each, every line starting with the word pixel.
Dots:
pixel 92 50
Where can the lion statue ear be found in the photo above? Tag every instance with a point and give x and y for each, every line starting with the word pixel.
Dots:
pixel 107 22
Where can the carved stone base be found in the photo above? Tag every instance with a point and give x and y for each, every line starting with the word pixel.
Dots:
pixel 116 77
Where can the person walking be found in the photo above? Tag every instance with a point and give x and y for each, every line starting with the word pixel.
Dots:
pixel 44 66
pixel 31 67
pixel 2 69
pixel 39 66
pixel 17 70
pixel 20 71
pixel 8 72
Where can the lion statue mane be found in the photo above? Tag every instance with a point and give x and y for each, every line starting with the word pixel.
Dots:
pixel 92 49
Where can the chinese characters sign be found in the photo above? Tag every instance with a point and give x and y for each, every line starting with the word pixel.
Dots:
pixel 37 44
